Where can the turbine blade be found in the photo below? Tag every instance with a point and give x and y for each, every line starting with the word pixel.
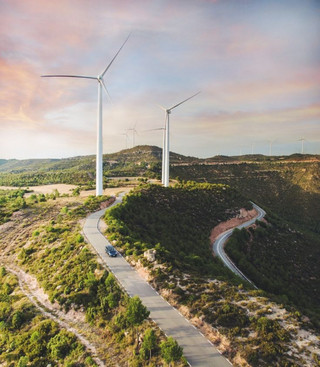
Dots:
pixel 171 108
pixel 107 68
pixel 163 108
pixel 69 76
pixel 159 128
pixel 105 88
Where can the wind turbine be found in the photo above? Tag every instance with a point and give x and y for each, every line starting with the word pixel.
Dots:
pixel 165 156
pixel 101 84
pixel 126 135
pixel 134 132
pixel 302 141
pixel 270 147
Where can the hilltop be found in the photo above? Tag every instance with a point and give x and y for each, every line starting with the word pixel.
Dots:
pixel 136 155
pixel 140 156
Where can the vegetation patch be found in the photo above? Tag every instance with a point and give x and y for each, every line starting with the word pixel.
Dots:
pixel 289 188
pixel 56 253
pixel 10 202
pixel 29 339
pixel 281 260
pixel 177 222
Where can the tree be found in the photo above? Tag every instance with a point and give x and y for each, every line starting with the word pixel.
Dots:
pixel 136 311
pixel 170 350
pixel 17 320
pixel 61 344
pixel 149 341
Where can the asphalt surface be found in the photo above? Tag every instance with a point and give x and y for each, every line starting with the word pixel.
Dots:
pixel 196 348
pixel 218 245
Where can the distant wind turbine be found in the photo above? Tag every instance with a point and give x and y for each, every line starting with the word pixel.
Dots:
pixel 302 141
pixel 101 84
pixel 126 135
pixel 270 147
pixel 134 132
pixel 165 156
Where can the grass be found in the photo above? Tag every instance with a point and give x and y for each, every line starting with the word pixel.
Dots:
pixel 29 339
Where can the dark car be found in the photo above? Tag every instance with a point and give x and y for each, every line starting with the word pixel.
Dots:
pixel 110 250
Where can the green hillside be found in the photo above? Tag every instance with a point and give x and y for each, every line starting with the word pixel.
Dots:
pixel 290 189
pixel 282 260
pixel 137 156
pixel 177 221
pixel 137 161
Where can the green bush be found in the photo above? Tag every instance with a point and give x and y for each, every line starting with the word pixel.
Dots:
pixel 61 344
pixel 170 350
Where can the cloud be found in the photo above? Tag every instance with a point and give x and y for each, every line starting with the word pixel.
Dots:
pixel 257 65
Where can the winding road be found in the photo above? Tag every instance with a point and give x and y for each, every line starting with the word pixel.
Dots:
pixel 218 245
pixel 198 351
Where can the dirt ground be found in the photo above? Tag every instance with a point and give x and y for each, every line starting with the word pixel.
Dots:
pixel 232 223
pixel 67 189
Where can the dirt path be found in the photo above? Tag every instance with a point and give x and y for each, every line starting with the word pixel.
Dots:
pixel 29 286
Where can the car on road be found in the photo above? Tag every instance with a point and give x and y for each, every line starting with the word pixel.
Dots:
pixel 111 251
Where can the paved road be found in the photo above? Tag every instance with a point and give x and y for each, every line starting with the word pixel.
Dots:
pixel 196 348
pixel 222 238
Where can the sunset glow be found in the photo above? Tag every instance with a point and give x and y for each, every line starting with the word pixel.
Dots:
pixel 257 64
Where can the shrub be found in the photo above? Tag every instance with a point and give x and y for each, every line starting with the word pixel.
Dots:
pixel 61 344
pixel 170 350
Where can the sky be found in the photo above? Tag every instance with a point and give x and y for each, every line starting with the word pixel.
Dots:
pixel 256 63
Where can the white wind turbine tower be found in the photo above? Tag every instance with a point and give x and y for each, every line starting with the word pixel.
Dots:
pixel 270 147
pixel 101 84
pixel 126 135
pixel 165 156
pixel 302 141
pixel 134 132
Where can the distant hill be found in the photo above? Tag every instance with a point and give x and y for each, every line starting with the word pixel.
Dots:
pixel 140 155
pixel 137 155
